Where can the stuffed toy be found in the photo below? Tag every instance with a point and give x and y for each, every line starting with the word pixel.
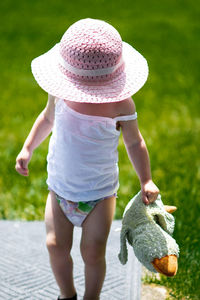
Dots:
pixel 148 229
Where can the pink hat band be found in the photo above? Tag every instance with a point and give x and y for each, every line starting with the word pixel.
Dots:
pixel 91 64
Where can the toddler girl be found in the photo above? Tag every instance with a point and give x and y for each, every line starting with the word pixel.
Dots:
pixel 89 77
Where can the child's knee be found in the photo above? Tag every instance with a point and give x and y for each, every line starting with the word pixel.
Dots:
pixel 51 243
pixel 54 245
pixel 93 253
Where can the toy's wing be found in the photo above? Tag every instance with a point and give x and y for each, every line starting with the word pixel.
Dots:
pixel 161 217
pixel 123 255
pixel 166 221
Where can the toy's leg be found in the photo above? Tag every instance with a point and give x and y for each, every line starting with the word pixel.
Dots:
pixel 95 232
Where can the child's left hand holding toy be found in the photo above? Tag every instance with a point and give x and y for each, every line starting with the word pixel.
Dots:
pixel 149 192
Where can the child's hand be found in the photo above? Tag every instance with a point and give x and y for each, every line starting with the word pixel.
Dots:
pixel 22 161
pixel 149 192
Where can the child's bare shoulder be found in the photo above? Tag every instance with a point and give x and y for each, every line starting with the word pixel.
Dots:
pixel 126 107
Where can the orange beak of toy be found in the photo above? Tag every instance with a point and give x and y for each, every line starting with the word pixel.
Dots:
pixel 167 265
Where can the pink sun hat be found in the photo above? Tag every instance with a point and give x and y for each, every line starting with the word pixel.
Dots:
pixel 91 64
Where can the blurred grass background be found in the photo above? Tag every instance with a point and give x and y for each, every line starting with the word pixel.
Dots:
pixel 167 33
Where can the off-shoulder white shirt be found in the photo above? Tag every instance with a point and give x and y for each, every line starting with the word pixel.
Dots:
pixel 82 162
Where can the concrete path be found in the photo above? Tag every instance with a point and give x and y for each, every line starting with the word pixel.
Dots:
pixel 25 272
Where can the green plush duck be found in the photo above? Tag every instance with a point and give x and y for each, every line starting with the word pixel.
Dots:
pixel 148 229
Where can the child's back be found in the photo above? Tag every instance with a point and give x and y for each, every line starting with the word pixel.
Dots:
pixel 83 157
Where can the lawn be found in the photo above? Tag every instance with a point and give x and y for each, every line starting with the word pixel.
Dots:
pixel 167 34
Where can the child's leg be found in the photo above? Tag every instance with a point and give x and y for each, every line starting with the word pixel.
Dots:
pixel 95 232
pixel 59 242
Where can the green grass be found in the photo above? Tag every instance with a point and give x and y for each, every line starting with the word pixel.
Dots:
pixel 167 34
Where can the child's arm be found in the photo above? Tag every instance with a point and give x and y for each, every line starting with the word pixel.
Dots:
pixel 40 130
pixel 138 155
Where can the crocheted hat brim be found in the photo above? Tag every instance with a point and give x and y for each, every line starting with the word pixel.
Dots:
pixel 50 78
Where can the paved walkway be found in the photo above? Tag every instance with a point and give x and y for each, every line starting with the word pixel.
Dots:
pixel 25 272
